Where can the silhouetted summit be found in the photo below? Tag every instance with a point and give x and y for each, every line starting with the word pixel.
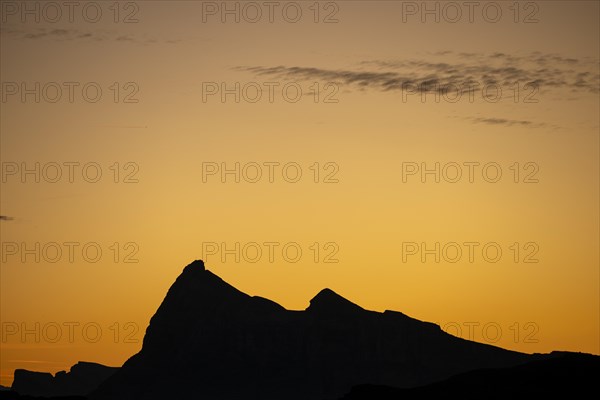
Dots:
pixel 194 265
pixel 328 301
pixel 209 340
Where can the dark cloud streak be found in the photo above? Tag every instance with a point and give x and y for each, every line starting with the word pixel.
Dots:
pixel 502 121
pixel 75 34
pixel 472 71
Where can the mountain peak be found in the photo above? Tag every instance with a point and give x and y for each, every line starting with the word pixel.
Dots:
pixel 193 270
pixel 209 340
pixel 330 302
pixel 195 265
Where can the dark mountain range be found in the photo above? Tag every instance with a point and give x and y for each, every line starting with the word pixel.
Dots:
pixel 212 341
pixel 80 380
pixel 563 376
pixel 208 340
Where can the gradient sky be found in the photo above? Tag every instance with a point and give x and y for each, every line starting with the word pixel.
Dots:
pixel 170 56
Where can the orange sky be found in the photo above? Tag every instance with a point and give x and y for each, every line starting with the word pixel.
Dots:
pixel 163 205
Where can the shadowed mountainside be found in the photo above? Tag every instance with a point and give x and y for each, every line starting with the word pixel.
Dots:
pixel 566 375
pixel 208 339
pixel 80 380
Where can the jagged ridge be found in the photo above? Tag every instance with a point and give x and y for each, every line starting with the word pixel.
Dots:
pixel 209 339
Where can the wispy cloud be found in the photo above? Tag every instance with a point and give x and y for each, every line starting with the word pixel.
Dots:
pixel 464 72
pixel 60 34
pixel 502 121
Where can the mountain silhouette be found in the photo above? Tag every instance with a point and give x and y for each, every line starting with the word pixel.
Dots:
pixel 82 378
pixel 565 375
pixel 209 340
